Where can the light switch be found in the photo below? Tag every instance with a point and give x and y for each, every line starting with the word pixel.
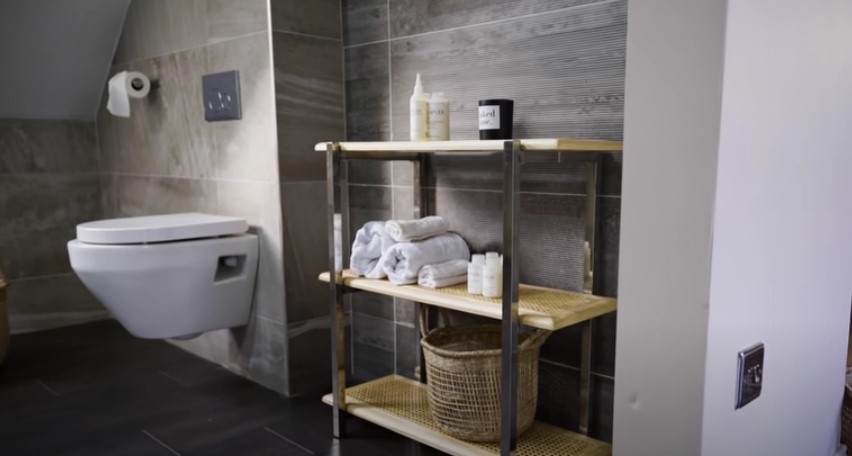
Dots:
pixel 221 96
pixel 749 374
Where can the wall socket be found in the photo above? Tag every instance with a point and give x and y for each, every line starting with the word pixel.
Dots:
pixel 221 95
pixel 749 374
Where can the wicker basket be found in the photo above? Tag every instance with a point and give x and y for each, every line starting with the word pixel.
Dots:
pixel 463 370
pixel 4 320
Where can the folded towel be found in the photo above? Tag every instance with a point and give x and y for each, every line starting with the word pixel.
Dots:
pixel 415 230
pixel 443 270
pixel 371 242
pixel 441 283
pixel 403 261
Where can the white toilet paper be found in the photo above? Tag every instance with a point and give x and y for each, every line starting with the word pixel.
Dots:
pixel 123 86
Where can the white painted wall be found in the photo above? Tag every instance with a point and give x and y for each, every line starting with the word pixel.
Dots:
pixel 56 56
pixel 782 238
pixel 737 195
pixel 672 111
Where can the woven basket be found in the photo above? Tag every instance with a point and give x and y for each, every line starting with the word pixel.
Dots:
pixel 463 370
pixel 4 320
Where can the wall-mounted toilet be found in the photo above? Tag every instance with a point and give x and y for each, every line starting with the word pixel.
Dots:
pixel 169 276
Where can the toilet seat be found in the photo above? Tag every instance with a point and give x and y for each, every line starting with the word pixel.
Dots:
pixel 159 228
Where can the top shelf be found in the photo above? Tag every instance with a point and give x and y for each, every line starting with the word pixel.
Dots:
pixel 473 146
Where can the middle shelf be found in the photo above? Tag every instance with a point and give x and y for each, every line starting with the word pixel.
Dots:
pixel 538 307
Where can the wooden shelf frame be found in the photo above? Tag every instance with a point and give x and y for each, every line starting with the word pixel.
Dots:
pixel 511 313
pixel 411 150
pixel 401 405
pixel 538 307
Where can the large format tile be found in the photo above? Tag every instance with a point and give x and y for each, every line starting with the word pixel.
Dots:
pixel 315 17
pixel 367 93
pixel 137 196
pixel 48 301
pixel 305 249
pixel 158 27
pixel 410 17
pixel 552 230
pixel 407 350
pixel 39 203
pixel 564 70
pixel 364 21
pixel 56 146
pixel 256 202
pixel 309 98
pixel 246 148
pixel 559 400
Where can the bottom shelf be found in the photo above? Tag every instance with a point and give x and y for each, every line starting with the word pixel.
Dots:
pixel 402 405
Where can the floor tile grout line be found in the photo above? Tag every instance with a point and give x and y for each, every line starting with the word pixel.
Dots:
pixel 164 374
pixel 276 434
pixel 160 442
pixel 49 389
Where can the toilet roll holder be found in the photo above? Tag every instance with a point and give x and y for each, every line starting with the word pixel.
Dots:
pixel 138 84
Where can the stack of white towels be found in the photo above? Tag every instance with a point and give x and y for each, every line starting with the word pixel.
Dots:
pixel 421 251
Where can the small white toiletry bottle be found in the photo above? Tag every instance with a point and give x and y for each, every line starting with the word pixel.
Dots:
pixel 439 117
pixel 492 278
pixel 491 255
pixel 474 273
pixel 419 113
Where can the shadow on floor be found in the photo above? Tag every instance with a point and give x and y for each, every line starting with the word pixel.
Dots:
pixel 95 390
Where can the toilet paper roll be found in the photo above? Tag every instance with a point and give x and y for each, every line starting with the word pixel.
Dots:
pixel 122 87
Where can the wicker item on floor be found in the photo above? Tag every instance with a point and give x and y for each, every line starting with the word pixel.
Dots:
pixel 464 376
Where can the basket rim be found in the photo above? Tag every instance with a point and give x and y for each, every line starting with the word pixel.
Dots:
pixel 527 342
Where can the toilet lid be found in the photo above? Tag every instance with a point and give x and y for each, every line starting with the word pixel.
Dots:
pixel 159 228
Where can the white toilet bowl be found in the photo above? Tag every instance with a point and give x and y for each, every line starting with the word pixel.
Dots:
pixel 169 276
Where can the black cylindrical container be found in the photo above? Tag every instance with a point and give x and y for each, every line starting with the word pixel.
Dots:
pixel 495 119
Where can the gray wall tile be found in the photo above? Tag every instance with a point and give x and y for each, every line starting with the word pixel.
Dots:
pixel 407 351
pixel 137 196
pixel 312 17
pixel 53 295
pixel 410 17
pixel 34 204
pixel 373 305
pixel 158 27
pixel 564 70
pixel 365 21
pixel 54 146
pixel 367 93
pixel 305 236
pixel 309 98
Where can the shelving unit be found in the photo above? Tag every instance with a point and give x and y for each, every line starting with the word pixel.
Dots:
pixel 400 404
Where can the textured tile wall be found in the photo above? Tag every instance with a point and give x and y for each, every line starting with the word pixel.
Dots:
pixel 165 158
pixel 48 184
pixel 563 64
pixel 308 61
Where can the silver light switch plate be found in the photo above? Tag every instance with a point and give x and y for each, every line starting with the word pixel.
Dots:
pixel 749 374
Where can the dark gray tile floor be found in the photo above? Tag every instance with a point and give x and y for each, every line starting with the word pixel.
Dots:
pixel 95 390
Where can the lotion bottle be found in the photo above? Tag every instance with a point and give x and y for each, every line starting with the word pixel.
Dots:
pixel 418 112
pixel 474 274
pixel 439 117
pixel 492 278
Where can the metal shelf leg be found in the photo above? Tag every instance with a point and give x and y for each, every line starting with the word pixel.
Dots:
pixel 336 172
pixel 512 160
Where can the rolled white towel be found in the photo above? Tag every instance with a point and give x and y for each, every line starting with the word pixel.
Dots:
pixel 371 241
pixel 415 230
pixel 402 262
pixel 443 270
pixel 441 283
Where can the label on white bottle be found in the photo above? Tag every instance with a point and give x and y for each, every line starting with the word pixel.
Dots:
pixel 492 283
pixel 419 119
pixel 439 122
pixel 474 279
pixel 489 117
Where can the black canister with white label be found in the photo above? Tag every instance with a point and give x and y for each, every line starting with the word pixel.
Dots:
pixel 495 119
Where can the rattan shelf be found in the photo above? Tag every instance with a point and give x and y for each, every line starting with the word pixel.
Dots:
pixel 402 405
pixel 538 307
